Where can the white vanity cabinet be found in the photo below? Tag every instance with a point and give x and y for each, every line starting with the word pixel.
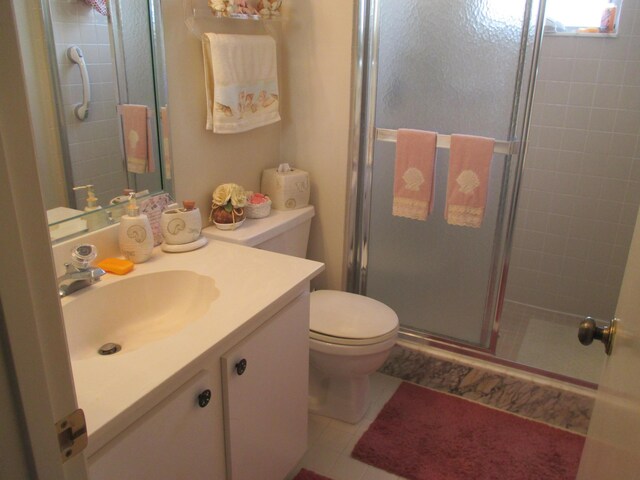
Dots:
pixel 181 437
pixel 265 386
pixel 254 426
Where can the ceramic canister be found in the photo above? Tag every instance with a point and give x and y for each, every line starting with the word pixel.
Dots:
pixel 180 226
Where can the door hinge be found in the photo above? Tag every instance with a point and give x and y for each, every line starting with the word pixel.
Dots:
pixel 72 434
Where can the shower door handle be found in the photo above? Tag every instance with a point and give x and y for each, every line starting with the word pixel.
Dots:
pixel 588 331
pixel 74 53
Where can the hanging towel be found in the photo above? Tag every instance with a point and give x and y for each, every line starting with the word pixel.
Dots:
pixel 413 176
pixel 99 6
pixel 468 181
pixel 138 147
pixel 241 82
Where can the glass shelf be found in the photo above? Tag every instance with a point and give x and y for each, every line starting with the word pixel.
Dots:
pixel 201 20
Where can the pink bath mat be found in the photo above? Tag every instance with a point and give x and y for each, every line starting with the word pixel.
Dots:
pixel 421 434
pixel 305 474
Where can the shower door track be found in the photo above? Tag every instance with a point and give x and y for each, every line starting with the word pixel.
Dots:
pixel 419 338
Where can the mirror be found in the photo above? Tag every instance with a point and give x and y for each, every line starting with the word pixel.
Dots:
pixel 103 60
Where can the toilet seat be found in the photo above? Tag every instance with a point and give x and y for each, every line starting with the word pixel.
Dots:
pixel 344 318
pixel 352 341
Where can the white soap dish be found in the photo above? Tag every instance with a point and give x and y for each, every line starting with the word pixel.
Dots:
pixel 184 247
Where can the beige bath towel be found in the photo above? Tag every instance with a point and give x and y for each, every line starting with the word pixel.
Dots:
pixel 241 82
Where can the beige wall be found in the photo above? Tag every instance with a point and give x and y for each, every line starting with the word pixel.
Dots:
pixel 317 60
pixel 315 65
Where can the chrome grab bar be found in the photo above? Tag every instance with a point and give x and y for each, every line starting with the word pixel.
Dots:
pixel 81 110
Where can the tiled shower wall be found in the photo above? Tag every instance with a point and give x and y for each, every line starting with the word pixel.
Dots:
pixel 94 143
pixel 581 183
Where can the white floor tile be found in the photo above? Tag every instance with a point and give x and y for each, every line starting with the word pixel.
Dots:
pixel 373 473
pixel 346 468
pixel 331 441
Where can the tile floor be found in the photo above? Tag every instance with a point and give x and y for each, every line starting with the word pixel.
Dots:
pixel 547 340
pixel 331 441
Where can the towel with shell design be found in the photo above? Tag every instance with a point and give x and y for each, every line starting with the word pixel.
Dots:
pixel 414 172
pixel 468 181
pixel 241 82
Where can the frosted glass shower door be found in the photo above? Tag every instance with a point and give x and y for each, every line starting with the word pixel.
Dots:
pixel 449 66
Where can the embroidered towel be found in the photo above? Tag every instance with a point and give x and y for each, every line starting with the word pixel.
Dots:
pixel 241 82
pixel 413 176
pixel 468 181
pixel 137 138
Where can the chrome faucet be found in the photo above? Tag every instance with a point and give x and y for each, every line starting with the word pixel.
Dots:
pixel 79 273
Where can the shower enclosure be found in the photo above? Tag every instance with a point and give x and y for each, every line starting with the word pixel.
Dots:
pixel 562 200
pixel 462 67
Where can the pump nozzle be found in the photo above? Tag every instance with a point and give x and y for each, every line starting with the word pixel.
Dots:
pixel 132 209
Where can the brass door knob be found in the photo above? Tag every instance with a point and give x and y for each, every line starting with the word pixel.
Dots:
pixel 590 331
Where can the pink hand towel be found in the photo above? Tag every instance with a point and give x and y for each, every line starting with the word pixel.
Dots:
pixel 468 182
pixel 137 138
pixel 413 178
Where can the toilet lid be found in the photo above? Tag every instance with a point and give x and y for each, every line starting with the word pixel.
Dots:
pixel 350 316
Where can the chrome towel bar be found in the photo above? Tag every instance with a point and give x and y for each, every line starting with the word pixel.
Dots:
pixel 444 141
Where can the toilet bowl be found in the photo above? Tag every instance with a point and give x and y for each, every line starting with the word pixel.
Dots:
pixel 350 336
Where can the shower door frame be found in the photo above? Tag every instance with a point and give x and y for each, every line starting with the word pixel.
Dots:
pixel 362 141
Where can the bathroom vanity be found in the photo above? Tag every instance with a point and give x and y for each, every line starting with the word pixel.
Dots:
pixel 219 394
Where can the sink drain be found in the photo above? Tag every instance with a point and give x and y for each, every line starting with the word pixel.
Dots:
pixel 109 349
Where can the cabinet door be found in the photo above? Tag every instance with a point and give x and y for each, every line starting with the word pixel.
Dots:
pixel 177 439
pixel 266 405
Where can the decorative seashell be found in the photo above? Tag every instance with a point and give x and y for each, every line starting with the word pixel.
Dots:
pixel 218 6
pixel 224 109
pixel 267 8
pixel 468 181
pixel 137 233
pixel 176 225
pixel 413 179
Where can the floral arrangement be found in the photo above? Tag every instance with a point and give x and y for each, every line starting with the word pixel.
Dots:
pixel 227 205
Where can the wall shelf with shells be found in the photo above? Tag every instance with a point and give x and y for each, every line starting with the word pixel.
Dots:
pixel 232 16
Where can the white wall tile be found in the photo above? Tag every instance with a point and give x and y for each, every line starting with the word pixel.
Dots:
pixel 581 184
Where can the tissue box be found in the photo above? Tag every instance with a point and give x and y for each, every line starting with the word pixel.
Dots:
pixel 288 189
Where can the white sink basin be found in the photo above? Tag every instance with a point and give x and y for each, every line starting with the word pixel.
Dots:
pixel 136 311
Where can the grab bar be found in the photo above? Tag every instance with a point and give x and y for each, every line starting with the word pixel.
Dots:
pixel 81 110
pixel 444 141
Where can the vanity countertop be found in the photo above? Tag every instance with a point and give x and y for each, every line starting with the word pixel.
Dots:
pixel 252 286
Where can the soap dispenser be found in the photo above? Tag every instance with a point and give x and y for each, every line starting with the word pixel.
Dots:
pixel 99 218
pixel 135 237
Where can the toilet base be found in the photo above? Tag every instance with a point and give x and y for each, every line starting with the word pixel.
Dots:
pixel 341 398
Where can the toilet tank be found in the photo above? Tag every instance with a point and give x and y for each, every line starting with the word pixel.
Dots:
pixel 283 231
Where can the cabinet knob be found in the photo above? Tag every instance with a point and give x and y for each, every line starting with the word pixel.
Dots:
pixel 241 366
pixel 204 398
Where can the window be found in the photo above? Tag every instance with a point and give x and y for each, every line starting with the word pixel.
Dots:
pixel 582 16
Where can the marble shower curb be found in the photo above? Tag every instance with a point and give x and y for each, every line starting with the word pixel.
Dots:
pixel 544 403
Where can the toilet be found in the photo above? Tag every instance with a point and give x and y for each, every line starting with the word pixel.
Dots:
pixel 350 336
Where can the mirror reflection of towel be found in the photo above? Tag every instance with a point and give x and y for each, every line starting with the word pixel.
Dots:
pixel 137 138
pixel 99 6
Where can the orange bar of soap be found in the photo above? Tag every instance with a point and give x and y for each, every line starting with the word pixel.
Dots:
pixel 118 266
